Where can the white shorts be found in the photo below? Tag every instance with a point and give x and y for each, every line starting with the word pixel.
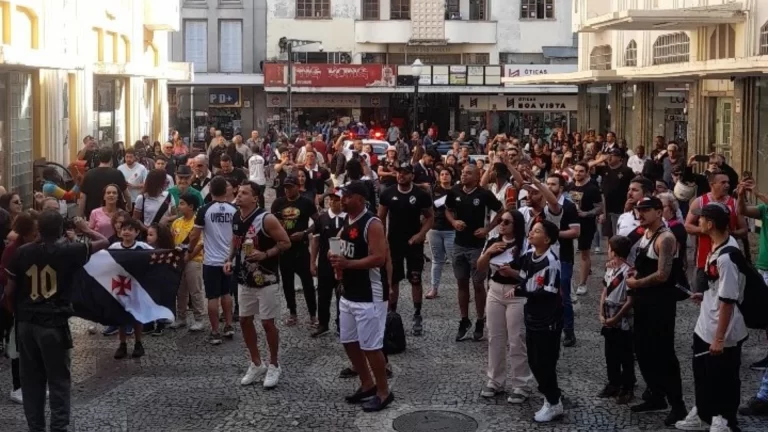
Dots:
pixel 363 323
pixel 260 303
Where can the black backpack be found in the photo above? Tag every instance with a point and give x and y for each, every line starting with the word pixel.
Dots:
pixel 755 303
pixel 394 334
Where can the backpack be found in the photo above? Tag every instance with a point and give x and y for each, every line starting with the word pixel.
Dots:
pixel 394 334
pixel 755 301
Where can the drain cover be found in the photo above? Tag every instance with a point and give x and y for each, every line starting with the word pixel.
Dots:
pixel 434 421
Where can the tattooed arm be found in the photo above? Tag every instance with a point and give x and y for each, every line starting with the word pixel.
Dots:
pixel 666 245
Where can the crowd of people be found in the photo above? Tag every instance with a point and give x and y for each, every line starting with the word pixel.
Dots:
pixel 508 216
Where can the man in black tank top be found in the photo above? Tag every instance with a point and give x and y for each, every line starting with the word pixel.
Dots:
pixel 258 238
pixel 363 304
pixel 652 289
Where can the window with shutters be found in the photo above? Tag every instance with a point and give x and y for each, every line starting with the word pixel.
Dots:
pixel 764 39
pixel 370 9
pixel 600 58
pixel 630 54
pixel 671 48
pixel 230 46
pixel 322 57
pixel 452 10
pixel 400 10
pixel 722 42
pixel 537 9
pixel 478 10
pixel 196 44
pixel 380 58
pixel 313 8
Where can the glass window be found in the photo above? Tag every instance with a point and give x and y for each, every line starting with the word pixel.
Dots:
pixel 761 160
pixel 400 10
pixel 764 39
pixel 630 54
pixel 537 9
pixel 21 155
pixel 671 48
pixel 722 42
pixel 313 8
pixel 478 10
pixel 452 10
pixel 600 58
pixel 230 46
pixel 196 44
pixel 370 9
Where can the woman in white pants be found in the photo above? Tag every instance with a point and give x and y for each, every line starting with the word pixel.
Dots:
pixel 504 312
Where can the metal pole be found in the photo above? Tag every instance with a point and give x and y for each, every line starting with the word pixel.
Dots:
pixel 415 104
pixel 191 116
pixel 290 81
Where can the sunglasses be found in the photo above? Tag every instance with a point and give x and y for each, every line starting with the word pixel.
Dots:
pixel 506 221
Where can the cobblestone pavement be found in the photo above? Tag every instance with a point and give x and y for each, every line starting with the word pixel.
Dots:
pixel 184 384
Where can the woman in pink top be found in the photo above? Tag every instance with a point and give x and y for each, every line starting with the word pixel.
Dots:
pixel 101 218
pixel 179 148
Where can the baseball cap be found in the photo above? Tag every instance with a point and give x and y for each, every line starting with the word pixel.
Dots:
pixel 714 211
pixel 405 167
pixel 291 180
pixel 615 152
pixel 649 203
pixel 355 188
pixel 392 148
pixel 183 171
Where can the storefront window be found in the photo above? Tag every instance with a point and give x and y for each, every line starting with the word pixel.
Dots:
pixel 109 111
pixel 192 107
pixel 627 108
pixel 599 115
pixel 670 118
pixel 16 108
pixel 761 160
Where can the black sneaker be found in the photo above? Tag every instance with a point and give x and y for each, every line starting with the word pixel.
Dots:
pixel 650 406
pixel 754 407
pixel 348 373
pixel 228 332
pixel 569 340
pixel 360 395
pixel 122 352
pixel 647 395
pixel 418 327
pixel 675 415
pixel 148 328
pixel 760 365
pixel 138 350
pixel 215 339
pixel 625 396
pixel 376 404
pixel 609 391
pixel 464 326
pixel 477 335
pixel 319 332
pixel 159 329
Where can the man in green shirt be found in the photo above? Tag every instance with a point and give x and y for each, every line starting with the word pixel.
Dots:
pixel 183 180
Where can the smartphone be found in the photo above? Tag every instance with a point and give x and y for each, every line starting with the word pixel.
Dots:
pixel 701 158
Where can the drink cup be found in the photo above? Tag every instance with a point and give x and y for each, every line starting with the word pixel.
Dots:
pixel 335 245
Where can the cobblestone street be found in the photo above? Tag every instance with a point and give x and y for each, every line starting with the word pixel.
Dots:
pixel 184 384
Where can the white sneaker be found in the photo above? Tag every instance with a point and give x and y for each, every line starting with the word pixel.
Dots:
pixel 254 372
pixel 92 329
pixel 581 290
pixel 597 251
pixel 273 376
pixel 16 396
pixel 692 422
pixel 197 326
pixel 719 424
pixel 177 324
pixel 549 412
pixel 518 396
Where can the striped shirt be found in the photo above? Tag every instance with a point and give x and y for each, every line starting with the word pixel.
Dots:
pixel 541 285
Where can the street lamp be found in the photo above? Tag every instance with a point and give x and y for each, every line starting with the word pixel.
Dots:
pixel 286 46
pixel 416 69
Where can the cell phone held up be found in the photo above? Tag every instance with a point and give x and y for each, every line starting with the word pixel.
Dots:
pixel 701 158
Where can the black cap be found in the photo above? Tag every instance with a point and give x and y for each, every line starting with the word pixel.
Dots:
pixel 615 151
pixel 405 167
pixel 291 180
pixel 715 211
pixel 183 171
pixel 355 188
pixel 649 203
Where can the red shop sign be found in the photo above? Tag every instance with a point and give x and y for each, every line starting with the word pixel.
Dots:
pixel 331 75
pixel 274 74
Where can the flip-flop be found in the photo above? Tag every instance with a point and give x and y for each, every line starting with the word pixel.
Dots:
pixel 432 295
pixel 291 321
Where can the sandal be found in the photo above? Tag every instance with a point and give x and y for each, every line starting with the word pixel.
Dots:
pixel 432 294
pixel 291 321
pixel 312 322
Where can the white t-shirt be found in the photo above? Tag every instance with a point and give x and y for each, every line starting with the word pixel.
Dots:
pixel 136 245
pixel 256 170
pixel 529 217
pixel 134 177
pixel 149 206
pixel 636 163
pixel 501 195
pixel 727 284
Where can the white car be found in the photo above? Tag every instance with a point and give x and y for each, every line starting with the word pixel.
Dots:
pixel 379 147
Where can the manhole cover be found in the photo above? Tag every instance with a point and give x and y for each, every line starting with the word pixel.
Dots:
pixel 434 421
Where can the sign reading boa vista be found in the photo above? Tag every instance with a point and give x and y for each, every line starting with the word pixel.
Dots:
pixel 330 75
pixel 120 287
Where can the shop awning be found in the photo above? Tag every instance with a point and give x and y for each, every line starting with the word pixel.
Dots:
pixel 666 19
pixel 580 77
pixel 224 79
pixel 172 71
pixel 707 69
pixel 542 89
pixel 37 59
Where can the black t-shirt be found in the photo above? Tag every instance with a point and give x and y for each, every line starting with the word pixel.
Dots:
pixel 294 215
pixel 586 197
pixel 327 226
pixel 471 208
pixel 317 180
pixel 5 228
pixel 389 166
pixel 423 175
pixel 615 186
pixel 236 177
pixel 570 217
pixel 441 223
pixel 405 210
pixel 44 274
pixel 509 252
pixel 95 181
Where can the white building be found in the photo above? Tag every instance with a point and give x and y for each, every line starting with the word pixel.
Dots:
pixel 353 57
pixel 689 70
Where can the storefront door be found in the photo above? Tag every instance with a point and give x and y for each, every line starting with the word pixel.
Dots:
pixel 16 132
pixel 723 122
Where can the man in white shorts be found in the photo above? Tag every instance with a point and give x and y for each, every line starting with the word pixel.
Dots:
pixel 258 238
pixel 360 264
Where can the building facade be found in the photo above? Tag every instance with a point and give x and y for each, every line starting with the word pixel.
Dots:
pixel 688 70
pixel 352 59
pixel 70 68
pixel 225 41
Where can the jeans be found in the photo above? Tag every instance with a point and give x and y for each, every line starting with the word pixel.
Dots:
pixel 619 357
pixel 716 382
pixel 441 243
pixel 44 357
pixel 295 261
pixel 543 353
pixel 506 327
pixel 762 392
pixel 566 274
